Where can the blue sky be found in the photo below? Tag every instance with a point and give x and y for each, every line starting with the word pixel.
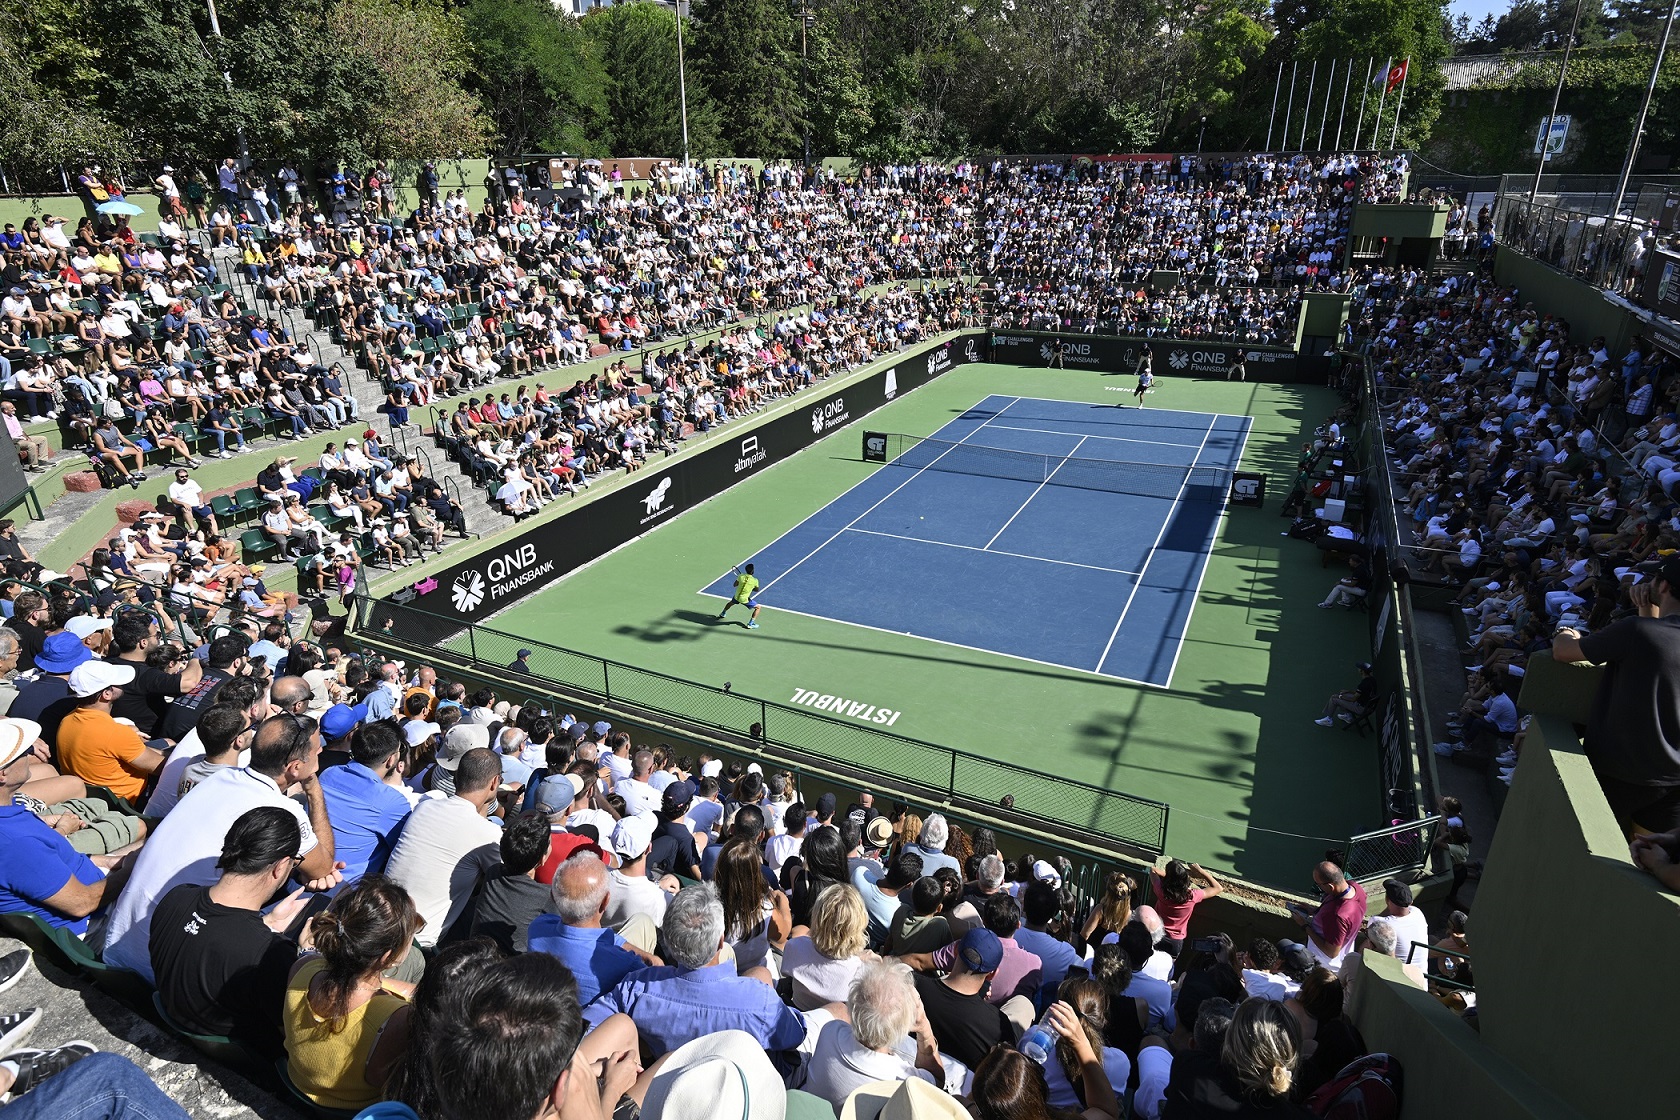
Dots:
pixel 1476 9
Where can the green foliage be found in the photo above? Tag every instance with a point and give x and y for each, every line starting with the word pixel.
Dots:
pixel 45 74
pixel 745 52
pixel 636 45
pixel 539 73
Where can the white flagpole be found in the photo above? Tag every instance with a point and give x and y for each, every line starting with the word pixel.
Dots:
pixel 1342 116
pixel 1329 91
pixel 1306 106
pixel 1394 133
pixel 1364 92
pixel 1294 68
pixel 1272 120
pixel 1376 128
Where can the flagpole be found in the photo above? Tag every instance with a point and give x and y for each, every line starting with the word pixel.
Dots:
pixel 1289 113
pixel 1329 92
pixel 1306 106
pixel 1271 120
pixel 1342 116
pixel 1405 72
pixel 1382 99
pixel 1557 95
pixel 1364 92
pixel 1644 108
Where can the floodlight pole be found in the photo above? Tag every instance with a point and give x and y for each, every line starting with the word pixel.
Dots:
pixel 682 88
pixel 227 80
pixel 1644 108
pixel 1557 95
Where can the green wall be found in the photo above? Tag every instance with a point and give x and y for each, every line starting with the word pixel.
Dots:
pixel 1396 221
pixel 1576 976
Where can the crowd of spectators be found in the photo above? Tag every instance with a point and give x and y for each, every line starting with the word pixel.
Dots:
pixel 362 871
pixel 1075 246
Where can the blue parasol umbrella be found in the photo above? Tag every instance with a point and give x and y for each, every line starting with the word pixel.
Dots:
pixel 117 206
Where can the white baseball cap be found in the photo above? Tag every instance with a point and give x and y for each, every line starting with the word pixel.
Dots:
pixel 84 624
pixel 90 678
pixel 631 838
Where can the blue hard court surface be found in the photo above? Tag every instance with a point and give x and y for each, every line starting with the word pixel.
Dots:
pixel 1056 573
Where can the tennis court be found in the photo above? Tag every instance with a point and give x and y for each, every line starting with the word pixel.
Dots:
pixel 1254 787
pixel 1061 532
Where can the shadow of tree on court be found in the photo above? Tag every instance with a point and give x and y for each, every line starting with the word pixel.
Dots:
pixel 678 626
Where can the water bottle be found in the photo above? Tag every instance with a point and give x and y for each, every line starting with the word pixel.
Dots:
pixel 1040 1041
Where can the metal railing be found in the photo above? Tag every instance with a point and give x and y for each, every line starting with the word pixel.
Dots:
pixel 1595 248
pixel 934 771
pixel 1401 848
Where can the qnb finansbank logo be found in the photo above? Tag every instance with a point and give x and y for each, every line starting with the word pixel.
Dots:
pixel 500 577
pixel 467 592
pixel 827 417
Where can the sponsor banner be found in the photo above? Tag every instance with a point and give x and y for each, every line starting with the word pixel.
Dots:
pixel 492 580
pixel 1248 489
pixel 1122 354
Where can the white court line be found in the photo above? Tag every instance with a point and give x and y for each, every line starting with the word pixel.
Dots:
pixel 995 552
pixel 1150 555
pixel 1036 489
pixel 1117 439
pixel 1207 557
pixel 952 645
pixel 871 509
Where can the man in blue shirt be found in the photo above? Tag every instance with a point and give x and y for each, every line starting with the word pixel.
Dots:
pixel 598 957
pixel 697 996
pixel 367 814
pixel 1039 907
pixel 40 873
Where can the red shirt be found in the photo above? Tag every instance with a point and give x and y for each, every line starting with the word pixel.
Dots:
pixel 1175 916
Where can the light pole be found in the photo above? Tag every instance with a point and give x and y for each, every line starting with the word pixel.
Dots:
pixel 1200 136
pixel 805 76
pixel 227 80
pixel 682 88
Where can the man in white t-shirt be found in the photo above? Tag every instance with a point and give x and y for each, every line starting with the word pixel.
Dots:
pixel 188 495
pixel 640 797
pixel 1410 926
pixel 633 892
pixel 184 847
pixel 448 846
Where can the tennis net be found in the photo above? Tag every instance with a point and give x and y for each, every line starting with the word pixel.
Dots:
pixel 1119 476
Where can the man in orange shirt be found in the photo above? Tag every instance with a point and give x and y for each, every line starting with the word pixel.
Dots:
pixel 95 747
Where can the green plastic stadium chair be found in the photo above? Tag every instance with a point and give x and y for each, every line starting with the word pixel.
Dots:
pixel 256 545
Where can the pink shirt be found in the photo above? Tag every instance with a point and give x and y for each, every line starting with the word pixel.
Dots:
pixel 1175 916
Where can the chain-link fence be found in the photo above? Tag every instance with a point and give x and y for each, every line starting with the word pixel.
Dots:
pixel 899 761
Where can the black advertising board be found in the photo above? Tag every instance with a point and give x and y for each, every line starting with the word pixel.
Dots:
pixel 1662 283
pixel 501 576
pixel 1121 354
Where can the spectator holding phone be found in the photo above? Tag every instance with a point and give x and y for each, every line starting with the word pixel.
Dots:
pixel 1333 926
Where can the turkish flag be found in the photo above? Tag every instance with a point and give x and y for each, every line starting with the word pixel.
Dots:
pixel 1396 75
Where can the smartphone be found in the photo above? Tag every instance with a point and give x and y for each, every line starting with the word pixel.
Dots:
pixel 316 904
pixel 1207 944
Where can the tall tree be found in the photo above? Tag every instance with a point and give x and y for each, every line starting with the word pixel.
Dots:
pixel 540 75
pixel 637 47
pixel 745 51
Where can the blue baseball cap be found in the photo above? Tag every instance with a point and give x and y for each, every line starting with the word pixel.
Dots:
pixel 341 719
pixel 602 729
pixel 981 950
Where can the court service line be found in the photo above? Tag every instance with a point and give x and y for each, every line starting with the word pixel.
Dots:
pixel 1150 555
pixel 871 509
pixel 995 552
pixel 1118 439
pixel 1207 556
pixel 1036 489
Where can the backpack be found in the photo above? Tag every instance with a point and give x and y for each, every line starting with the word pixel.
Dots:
pixel 1367 1088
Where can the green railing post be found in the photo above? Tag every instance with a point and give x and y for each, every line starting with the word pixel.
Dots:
pixel 606 681
pixel 472 641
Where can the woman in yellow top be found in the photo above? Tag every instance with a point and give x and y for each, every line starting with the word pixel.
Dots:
pixel 346 1024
